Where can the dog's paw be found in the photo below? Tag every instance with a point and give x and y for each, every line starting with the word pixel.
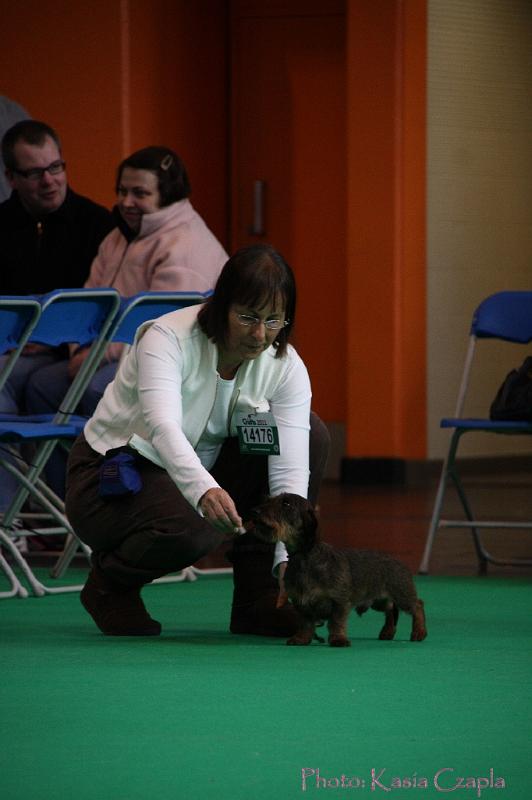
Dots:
pixel 418 635
pixel 387 634
pixel 339 641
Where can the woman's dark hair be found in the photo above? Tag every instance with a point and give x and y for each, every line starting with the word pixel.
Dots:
pixel 172 178
pixel 253 277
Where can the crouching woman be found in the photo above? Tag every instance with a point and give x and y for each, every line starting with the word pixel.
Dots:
pixel 181 408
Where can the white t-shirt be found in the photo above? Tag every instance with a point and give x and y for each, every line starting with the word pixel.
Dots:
pixel 216 432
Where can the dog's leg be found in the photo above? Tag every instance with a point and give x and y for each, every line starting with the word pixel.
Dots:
pixel 337 625
pixel 390 622
pixel 419 629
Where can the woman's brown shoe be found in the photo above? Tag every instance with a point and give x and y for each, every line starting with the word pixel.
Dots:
pixel 117 610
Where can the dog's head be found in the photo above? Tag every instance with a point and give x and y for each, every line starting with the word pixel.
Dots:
pixel 286 518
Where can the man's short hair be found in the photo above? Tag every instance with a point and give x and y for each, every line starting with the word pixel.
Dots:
pixel 30 131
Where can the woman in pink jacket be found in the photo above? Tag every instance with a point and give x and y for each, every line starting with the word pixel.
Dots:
pixel 160 243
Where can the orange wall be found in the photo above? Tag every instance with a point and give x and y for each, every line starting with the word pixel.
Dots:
pixel 179 94
pixel 289 131
pixel 386 369
pixel 116 75
pixel 59 61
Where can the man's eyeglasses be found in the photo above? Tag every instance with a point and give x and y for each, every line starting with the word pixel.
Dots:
pixel 247 320
pixel 36 174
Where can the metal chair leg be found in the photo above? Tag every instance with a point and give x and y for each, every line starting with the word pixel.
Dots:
pixel 482 554
pixel 72 545
pixel 17 589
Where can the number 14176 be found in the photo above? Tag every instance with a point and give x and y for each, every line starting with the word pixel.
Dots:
pixel 258 435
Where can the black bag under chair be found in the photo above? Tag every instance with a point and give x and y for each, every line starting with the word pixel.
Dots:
pixel 513 401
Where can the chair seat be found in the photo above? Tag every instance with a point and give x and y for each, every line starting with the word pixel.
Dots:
pixel 26 431
pixel 496 426
pixel 75 419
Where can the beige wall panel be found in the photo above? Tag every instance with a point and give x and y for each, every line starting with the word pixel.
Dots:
pixel 479 195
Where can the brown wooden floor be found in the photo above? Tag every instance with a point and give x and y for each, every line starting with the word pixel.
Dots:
pixel 397 519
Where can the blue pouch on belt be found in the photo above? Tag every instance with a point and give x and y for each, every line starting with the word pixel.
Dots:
pixel 119 475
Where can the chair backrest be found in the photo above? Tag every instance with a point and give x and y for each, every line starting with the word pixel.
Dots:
pixel 18 317
pixel 75 315
pixel 145 306
pixel 84 316
pixel 504 315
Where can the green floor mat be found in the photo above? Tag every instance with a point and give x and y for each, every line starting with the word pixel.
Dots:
pixel 199 713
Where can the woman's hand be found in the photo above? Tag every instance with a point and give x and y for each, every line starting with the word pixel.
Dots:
pixel 218 508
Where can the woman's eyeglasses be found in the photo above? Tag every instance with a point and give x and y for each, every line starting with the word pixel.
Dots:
pixel 248 321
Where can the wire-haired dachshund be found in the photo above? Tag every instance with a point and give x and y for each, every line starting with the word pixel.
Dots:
pixel 325 583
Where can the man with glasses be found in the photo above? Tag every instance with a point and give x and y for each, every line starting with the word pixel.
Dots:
pixel 49 236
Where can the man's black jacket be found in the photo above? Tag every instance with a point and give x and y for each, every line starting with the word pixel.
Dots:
pixel 37 256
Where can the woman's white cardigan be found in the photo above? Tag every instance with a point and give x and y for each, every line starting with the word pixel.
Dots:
pixel 164 391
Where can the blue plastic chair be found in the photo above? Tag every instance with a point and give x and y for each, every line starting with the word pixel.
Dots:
pixel 146 306
pixel 506 316
pixel 81 316
pixel 18 317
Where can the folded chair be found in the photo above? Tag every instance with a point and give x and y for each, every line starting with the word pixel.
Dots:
pixel 81 316
pixel 135 311
pixel 505 316
pixel 18 317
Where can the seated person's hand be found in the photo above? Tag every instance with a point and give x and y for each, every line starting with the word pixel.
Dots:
pixel 76 360
pixel 34 349
pixel 218 508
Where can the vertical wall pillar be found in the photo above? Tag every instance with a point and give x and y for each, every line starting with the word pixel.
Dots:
pixel 386 408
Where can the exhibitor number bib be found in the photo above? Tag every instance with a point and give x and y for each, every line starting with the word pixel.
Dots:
pixel 258 434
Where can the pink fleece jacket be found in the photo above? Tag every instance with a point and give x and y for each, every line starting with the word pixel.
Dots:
pixel 173 251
